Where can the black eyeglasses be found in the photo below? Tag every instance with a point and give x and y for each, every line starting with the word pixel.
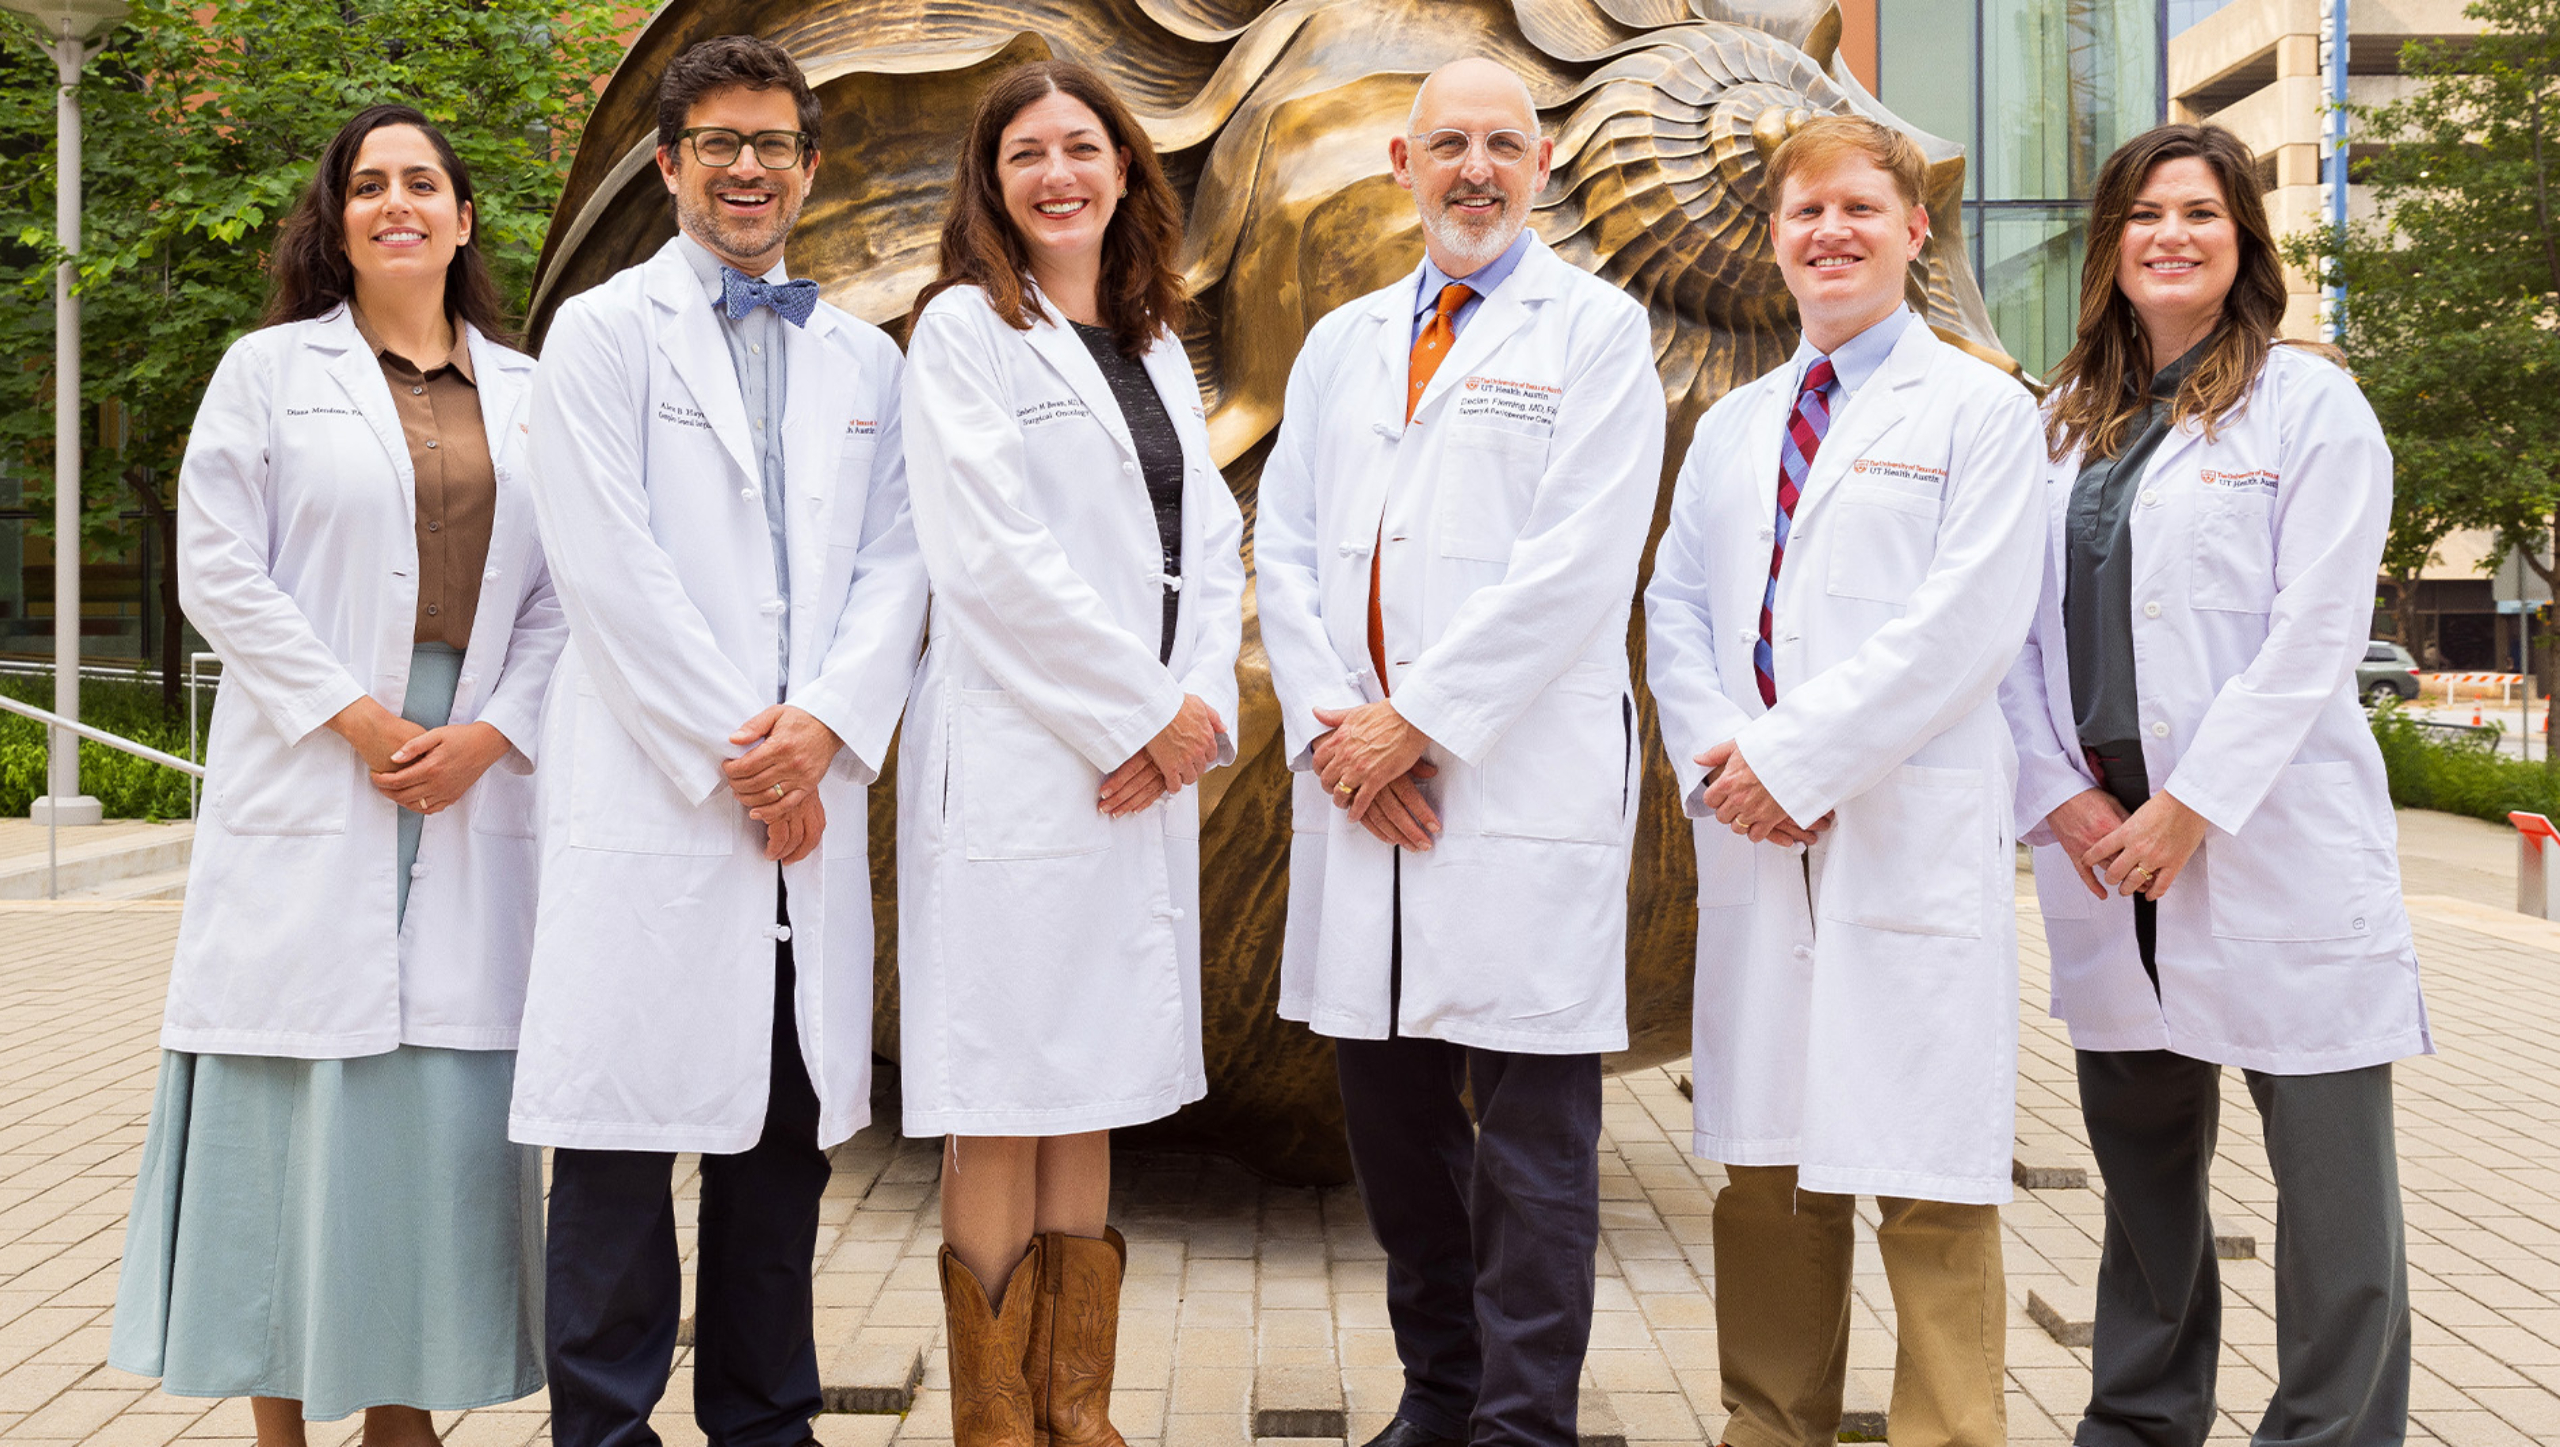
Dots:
pixel 775 150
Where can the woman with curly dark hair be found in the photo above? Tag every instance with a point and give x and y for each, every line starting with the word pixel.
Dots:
pixel 330 1217
pixel 1078 679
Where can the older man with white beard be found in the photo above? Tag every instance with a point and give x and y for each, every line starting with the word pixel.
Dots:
pixel 1447 537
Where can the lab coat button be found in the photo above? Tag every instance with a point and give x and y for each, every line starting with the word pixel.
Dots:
pixel 772 607
pixel 2359 924
pixel 1768 535
pixel 490 576
pixel 1803 952
pixel 748 493
pixel 1170 914
pixel 2160 731
pixel 2150 610
pixel 1382 429
pixel 778 933
pixel 2151 497
pixel 418 871
pixel 1128 467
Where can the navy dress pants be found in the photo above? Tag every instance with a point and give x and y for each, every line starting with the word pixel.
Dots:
pixel 1489 1226
pixel 615 1286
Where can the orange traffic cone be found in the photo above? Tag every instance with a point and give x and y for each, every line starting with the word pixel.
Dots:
pixel 2475 713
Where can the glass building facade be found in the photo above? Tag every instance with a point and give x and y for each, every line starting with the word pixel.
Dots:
pixel 2040 92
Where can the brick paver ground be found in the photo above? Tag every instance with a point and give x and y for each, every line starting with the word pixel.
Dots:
pixel 1253 1308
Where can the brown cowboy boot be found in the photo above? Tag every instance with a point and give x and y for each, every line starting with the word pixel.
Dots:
pixel 990 1401
pixel 1074 1334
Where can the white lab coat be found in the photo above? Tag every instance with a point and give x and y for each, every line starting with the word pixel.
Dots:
pixel 648 1022
pixel 1856 1011
pixel 2283 945
pixel 298 561
pixel 1512 511
pixel 1048 956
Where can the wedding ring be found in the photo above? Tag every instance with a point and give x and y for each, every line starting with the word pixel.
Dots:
pixel 1346 788
pixel 777 791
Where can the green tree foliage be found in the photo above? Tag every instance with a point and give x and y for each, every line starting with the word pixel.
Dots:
pixel 2452 296
pixel 203 122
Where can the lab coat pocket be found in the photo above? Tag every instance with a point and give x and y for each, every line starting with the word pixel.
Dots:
pixel 2305 867
pixel 1488 478
pixel 2059 892
pixel 264 785
pixel 1560 771
pixel 1882 541
pixel 1023 793
pixel 502 804
pixel 1908 855
pixel 1728 866
pixel 621 802
pixel 852 489
pixel 2235 551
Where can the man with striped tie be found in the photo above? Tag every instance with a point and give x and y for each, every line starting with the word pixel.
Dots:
pixel 1853 555
pixel 1447 539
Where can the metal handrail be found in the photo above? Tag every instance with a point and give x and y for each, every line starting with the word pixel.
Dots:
pixel 53 818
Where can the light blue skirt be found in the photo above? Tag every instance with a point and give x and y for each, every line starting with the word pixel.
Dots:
pixel 344 1233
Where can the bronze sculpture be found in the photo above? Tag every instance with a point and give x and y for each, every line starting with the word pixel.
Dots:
pixel 1273 120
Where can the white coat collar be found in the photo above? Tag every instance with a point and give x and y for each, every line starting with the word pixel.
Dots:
pixel 693 346
pixel 358 373
pixel 1886 399
pixel 1055 341
pixel 1537 279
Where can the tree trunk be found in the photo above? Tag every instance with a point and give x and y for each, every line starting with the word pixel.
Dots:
pixel 2404 611
pixel 173 624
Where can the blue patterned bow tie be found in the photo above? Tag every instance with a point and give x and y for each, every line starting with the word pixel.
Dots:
pixel 793 301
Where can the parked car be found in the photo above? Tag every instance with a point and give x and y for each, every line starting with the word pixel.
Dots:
pixel 2388 672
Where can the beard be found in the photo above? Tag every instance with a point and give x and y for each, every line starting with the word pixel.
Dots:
pixel 701 217
pixel 1471 242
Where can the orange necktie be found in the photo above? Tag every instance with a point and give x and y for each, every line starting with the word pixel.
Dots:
pixel 1438 334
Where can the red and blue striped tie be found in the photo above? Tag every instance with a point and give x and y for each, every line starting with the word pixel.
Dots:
pixel 1795 462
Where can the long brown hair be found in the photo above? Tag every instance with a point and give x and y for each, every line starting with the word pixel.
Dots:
pixel 2103 385
pixel 1141 295
pixel 309 272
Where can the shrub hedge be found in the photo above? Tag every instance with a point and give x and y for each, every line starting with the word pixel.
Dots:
pixel 2459 776
pixel 127 787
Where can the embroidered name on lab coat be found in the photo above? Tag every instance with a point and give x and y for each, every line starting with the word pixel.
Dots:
pixel 1527 406
pixel 1899 471
pixel 860 427
pixel 673 415
pixel 1056 409
pixel 322 412
pixel 2256 479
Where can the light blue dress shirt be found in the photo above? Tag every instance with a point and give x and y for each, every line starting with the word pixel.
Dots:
pixel 1485 280
pixel 756 352
pixel 1855 361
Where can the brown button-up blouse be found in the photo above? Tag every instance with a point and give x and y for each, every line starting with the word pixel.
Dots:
pixel 457 483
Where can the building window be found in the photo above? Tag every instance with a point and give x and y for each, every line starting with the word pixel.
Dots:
pixel 2040 92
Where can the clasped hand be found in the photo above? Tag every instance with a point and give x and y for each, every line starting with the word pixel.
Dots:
pixel 1744 805
pixel 1371 764
pixel 420 769
pixel 788 752
pixel 2141 854
pixel 1173 760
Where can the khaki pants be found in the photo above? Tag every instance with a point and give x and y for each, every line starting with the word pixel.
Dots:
pixel 1783 1261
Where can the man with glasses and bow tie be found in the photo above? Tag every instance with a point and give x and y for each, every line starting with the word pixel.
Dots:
pixel 1446 543
pixel 715 464
pixel 1854 551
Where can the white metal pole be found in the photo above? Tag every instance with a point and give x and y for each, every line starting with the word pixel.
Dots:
pixel 64 800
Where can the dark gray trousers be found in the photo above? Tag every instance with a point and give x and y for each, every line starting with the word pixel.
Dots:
pixel 2341 1264
pixel 1489 1224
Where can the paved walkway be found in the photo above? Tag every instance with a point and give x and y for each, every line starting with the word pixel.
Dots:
pixel 1255 1310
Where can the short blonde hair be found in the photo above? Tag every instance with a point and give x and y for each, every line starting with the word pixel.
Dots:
pixel 1825 141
